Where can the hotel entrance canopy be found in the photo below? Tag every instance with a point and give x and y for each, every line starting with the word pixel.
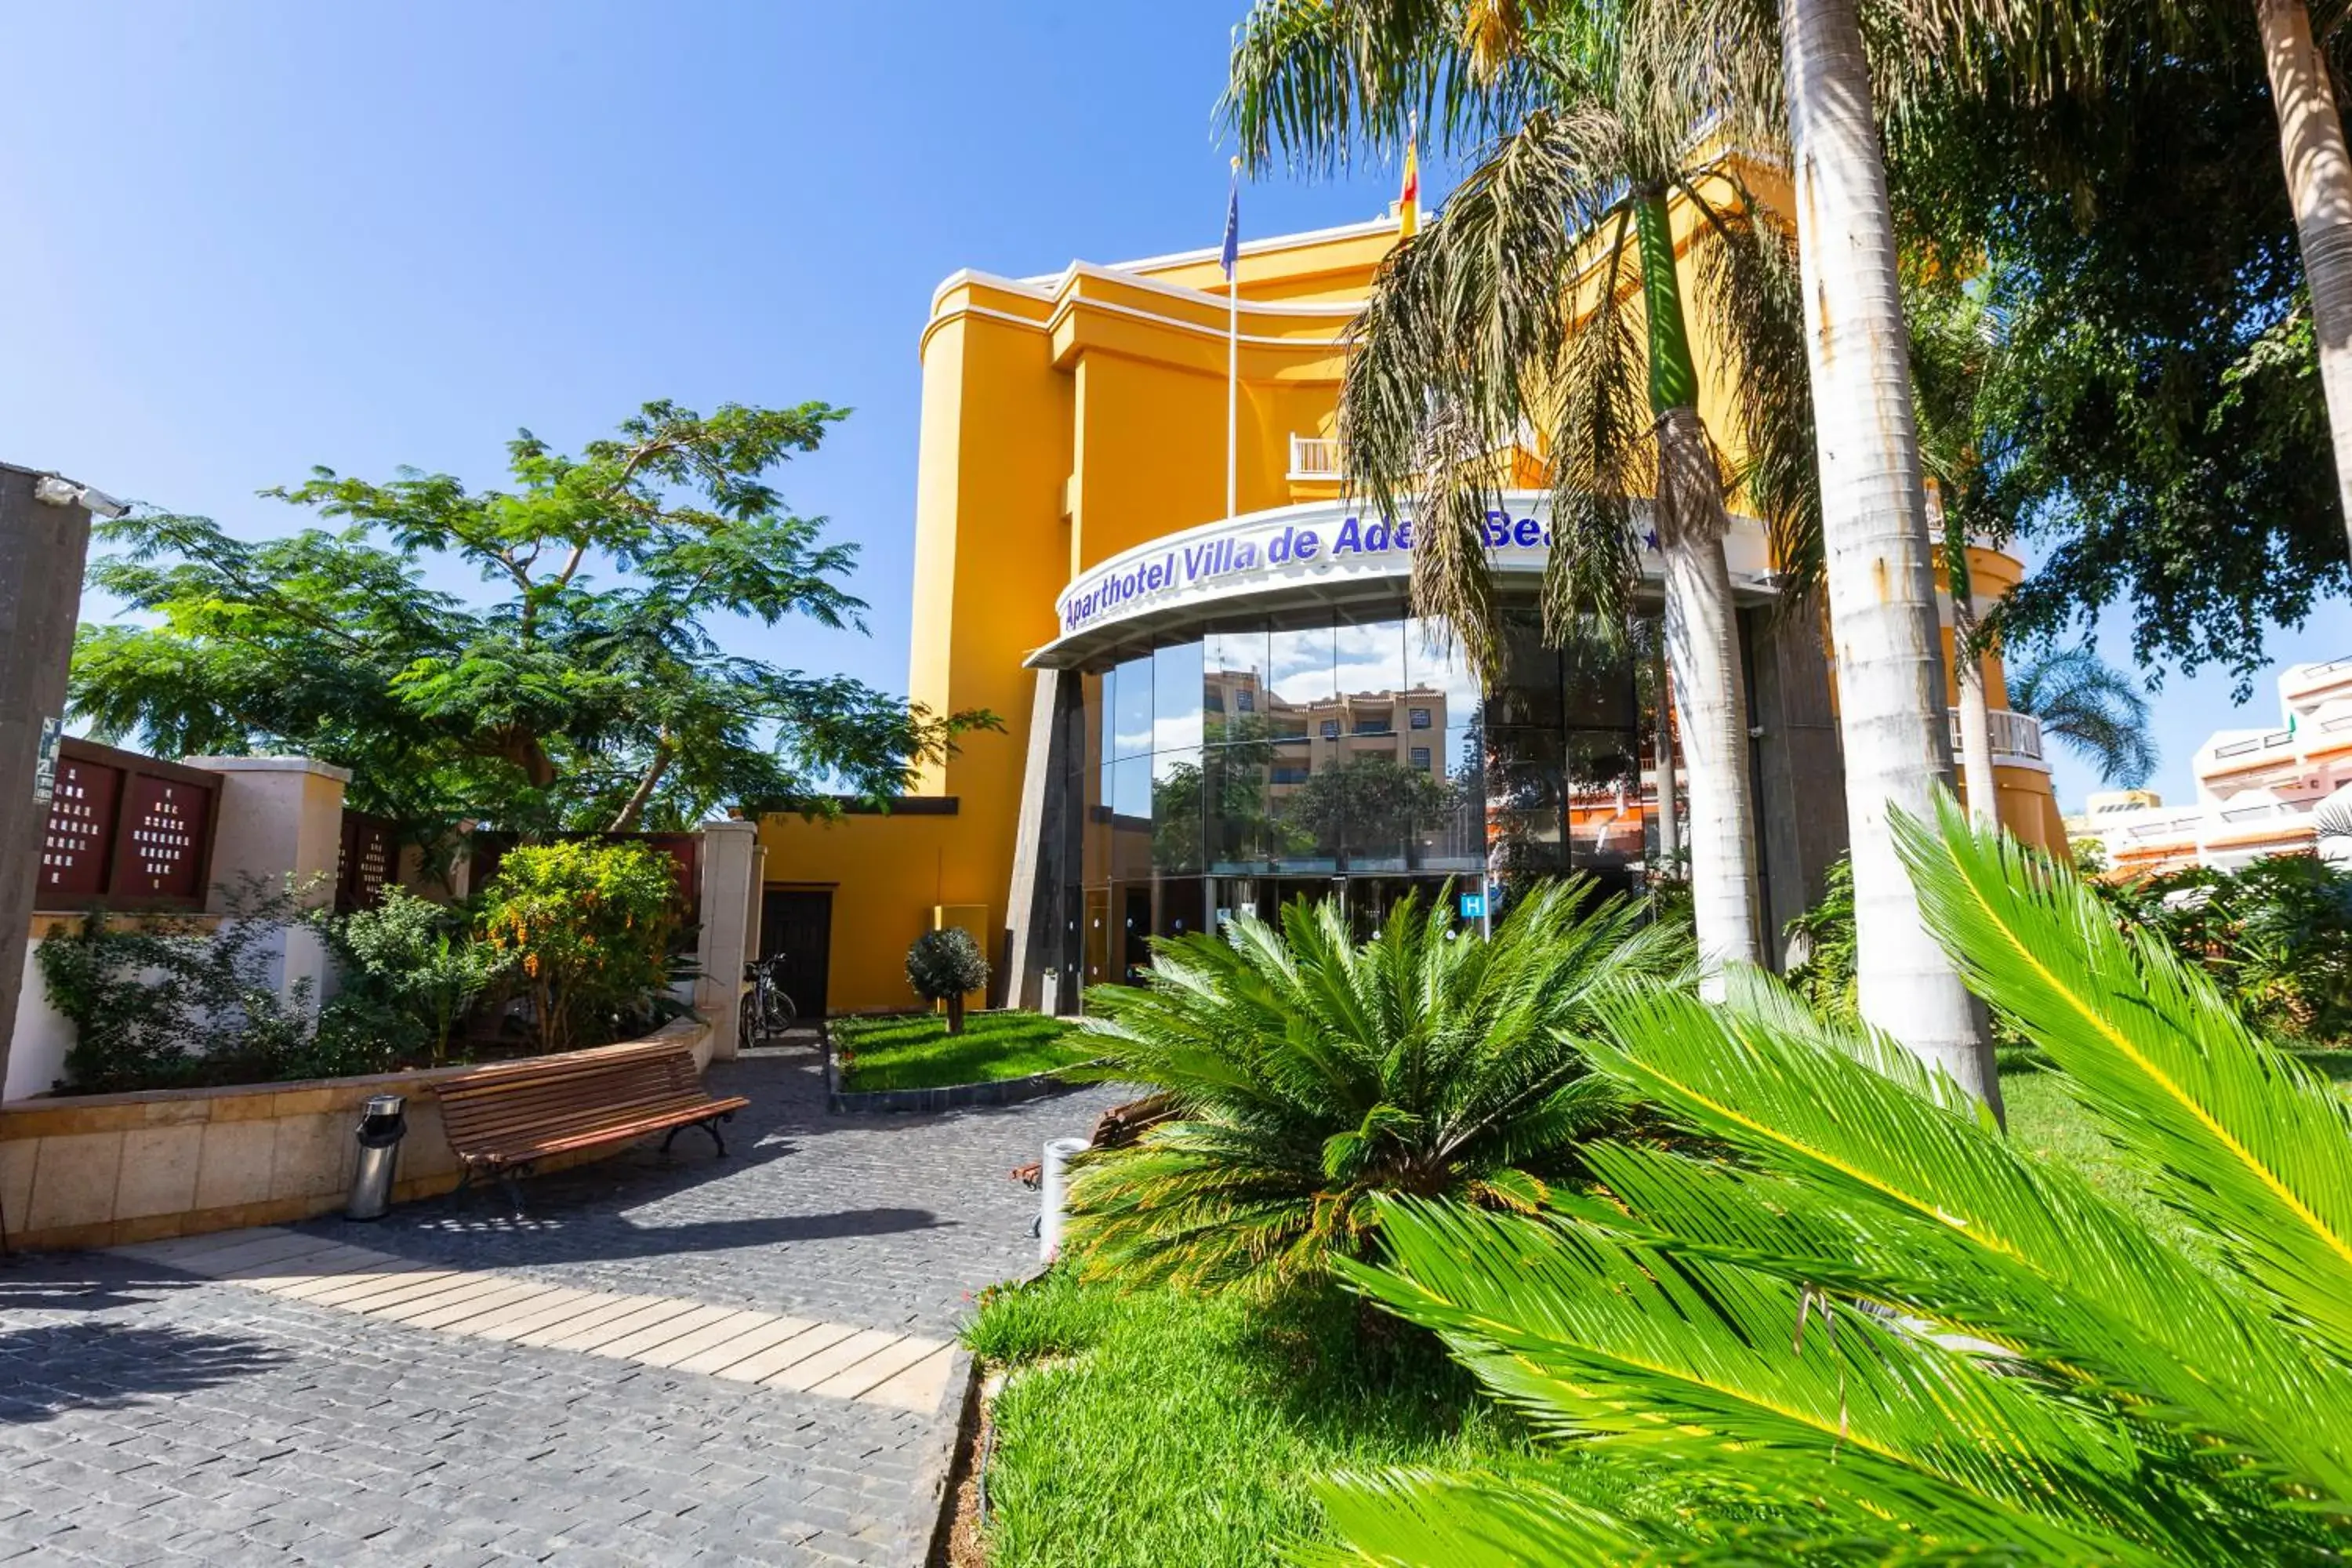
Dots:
pixel 1321 553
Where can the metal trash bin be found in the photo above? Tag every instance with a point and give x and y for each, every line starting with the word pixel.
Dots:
pixel 382 1127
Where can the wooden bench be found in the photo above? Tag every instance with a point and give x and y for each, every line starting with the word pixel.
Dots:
pixel 502 1119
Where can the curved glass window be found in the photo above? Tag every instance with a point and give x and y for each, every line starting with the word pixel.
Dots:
pixel 1348 753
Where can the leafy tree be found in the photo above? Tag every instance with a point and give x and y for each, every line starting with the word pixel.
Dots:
pixel 2095 710
pixel 586 691
pixel 1880 1331
pixel 945 965
pixel 584 928
pixel 1312 1072
pixel 1366 799
pixel 2164 443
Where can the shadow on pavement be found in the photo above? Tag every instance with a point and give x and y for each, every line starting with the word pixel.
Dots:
pixel 48 1369
pixel 561 1235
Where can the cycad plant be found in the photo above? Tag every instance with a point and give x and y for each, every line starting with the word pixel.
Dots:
pixel 1881 1331
pixel 1312 1072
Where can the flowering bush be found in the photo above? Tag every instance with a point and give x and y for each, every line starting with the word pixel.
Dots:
pixel 586 929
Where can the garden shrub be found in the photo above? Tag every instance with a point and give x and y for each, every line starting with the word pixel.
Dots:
pixel 2275 936
pixel 584 930
pixel 1314 1073
pixel 165 1002
pixel 411 969
pixel 943 965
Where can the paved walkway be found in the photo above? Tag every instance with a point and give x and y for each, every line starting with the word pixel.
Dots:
pixel 148 1413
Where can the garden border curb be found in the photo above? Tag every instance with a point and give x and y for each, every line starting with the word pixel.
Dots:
pixel 931 1518
pixel 839 1102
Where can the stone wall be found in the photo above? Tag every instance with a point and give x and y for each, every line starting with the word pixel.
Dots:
pixel 107 1169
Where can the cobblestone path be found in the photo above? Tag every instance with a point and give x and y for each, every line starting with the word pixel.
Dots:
pixel 151 1414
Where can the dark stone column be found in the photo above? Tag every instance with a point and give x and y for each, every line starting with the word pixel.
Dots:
pixel 43 541
pixel 1034 914
pixel 1801 822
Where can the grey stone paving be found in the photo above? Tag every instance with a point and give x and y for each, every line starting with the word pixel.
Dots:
pixel 888 1222
pixel 148 1416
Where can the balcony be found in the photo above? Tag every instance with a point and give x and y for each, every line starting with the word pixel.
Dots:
pixel 2305 683
pixel 2248 760
pixel 2016 738
pixel 1315 458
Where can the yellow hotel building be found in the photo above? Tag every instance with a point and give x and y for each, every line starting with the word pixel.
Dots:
pixel 1206 714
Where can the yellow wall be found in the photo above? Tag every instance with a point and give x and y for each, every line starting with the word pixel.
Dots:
pixel 1065 420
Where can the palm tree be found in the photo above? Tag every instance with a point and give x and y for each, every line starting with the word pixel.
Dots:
pixel 1383 58
pixel 1956 347
pixel 2093 708
pixel 1880 1331
pixel 1549 294
pixel 1881 556
pixel 2319 186
pixel 1311 1073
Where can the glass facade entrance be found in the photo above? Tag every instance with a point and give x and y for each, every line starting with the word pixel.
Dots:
pixel 1347 753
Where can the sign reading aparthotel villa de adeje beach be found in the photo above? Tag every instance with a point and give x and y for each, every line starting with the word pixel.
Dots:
pixel 1321 546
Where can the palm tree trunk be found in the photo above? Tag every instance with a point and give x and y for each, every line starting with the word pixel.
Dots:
pixel 1975 713
pixel 2319 185
pixel 1882 577
pixel 1702 630
pixel 1670 836
pixel 1977 779
pixel 1702 623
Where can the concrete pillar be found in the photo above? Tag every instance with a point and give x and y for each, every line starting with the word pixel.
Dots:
pixel 730 885
pixel 1032 939
pixel 281 822
pixel 44 542
pixel 1800 819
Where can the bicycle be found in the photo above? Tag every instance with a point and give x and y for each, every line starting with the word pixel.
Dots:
pixel 767 1012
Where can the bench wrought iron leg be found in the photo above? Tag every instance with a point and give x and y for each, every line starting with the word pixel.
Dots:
pixel 513 1190
pixel 709 1124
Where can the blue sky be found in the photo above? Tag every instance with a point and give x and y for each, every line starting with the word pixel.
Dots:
pixel 248 238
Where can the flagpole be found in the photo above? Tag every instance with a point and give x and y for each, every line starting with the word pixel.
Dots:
pixel 1233 362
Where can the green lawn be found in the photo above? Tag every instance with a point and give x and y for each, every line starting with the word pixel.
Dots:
pixel 915 1050
pixel 1151 1430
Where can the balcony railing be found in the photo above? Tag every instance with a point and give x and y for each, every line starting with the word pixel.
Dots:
pixel 1314 457
pixel 2253 744
pixel 2315 675
pixel 2013 735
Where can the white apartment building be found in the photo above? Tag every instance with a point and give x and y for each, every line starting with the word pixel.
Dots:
pixel 2256 789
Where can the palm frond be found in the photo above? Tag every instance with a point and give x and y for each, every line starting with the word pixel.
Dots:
pixel 1904 1186
pixel 1319 84
pixel 2236 1133
pixel 2094 708
pixel 1708 1367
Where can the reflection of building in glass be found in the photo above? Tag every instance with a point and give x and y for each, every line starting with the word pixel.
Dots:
pixel 1254 764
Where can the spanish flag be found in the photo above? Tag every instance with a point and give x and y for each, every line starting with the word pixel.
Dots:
pixel 1409 198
